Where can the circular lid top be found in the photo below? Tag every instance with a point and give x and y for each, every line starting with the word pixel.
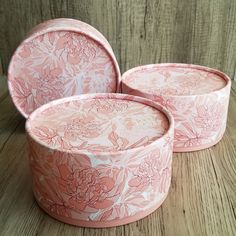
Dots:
pixel 174 79
pixel 61 58
pixel 97 123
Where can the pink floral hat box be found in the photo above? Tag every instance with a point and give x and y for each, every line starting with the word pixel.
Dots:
pixel 61 58
pixel 196 96
pixel 100 160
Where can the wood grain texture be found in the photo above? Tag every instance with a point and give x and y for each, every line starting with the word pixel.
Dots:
pixel 201 201
pixel 140 31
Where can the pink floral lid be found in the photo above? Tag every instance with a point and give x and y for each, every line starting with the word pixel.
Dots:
pixel 61 58
pixel 173 80
pixel 97 123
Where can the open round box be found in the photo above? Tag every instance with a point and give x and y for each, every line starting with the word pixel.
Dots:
pixel 197 97
pixel 100 160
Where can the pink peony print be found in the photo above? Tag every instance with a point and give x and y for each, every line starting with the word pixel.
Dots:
pixel 25 50
pixel 166 102
pixel 86 127
pixel 78 49
pixel 48 85
pixel 78 176
pixel 51 137
pixel 187 136
pixel 108 106
pixel 61 63
pixel 39 90
pixel 152 172
pixel 85 188
pixel 23 94
pixel 47 135
pixel 209 117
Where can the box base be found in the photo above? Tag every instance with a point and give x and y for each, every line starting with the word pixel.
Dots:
pixel 103 224
pixel 196 148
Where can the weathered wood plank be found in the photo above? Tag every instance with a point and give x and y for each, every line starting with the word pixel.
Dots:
pixel 3 87
pixel 140 31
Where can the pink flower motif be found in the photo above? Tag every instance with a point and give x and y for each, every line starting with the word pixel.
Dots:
pixel 166 102
pixel 49 85
pixel 79 49
pixel 107 107
pixel 210 117
pixel 44 188
pixel 50 199
pixel 154 172
pixel 89 49
pixel 38 90
pixel 85 187
pixel 164 91
pixel 58 64
pixel 23 94
pixel 118 211
pixel 47 135
pixel 86 127
pixel 25 50
pixel 187 136
pixel 51 137
pixel 119 143
pixel 60 209
pixel 52 110
pixel 73 187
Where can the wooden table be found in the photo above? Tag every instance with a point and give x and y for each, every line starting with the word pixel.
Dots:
pixel 201 201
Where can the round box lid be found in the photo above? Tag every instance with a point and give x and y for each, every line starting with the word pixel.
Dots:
pixel 61 58
pixel 98 123
pixel 172 80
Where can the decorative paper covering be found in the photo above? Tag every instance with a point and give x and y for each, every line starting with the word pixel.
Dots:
pixel 61 58
pixel 197 97
pixel 100 160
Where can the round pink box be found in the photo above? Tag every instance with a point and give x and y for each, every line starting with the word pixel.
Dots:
pixel 61 58
pixel 100 160
pixel 197 97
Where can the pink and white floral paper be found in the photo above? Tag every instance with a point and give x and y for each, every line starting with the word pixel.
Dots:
pixel 61 58
pixel 100 160
pixel 197 97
